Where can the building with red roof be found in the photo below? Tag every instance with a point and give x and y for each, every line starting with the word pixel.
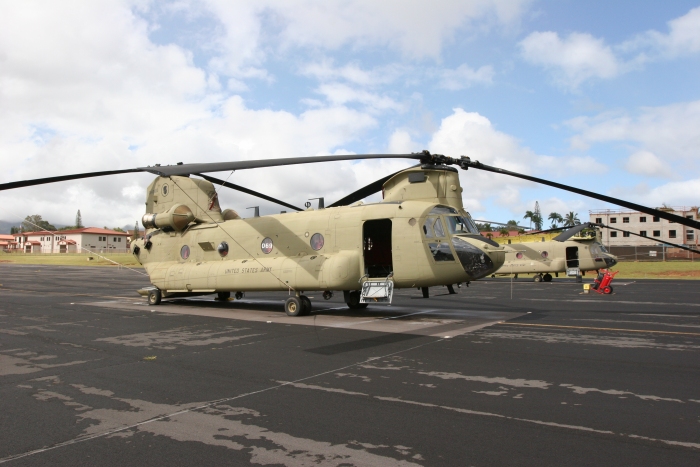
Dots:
pixel 83 240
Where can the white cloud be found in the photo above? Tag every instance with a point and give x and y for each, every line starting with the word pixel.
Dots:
pixel 683 38
pixel 400 142
pixel 669 131
pixel 341 94
pixel 472 135
pixel 573 60
pixel 416 28
pixel 581 57
pixel 464 77
pixel 683 193
pixel 648 164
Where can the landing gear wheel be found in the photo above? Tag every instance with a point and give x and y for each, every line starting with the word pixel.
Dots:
pixel 306 304
pixel 239 295
pixel 547 277
pixel 579 278
pixel 353 300
pixel 223 296
pixel 154 297
pixel 293 307
pixel 608 290
pixel 537 278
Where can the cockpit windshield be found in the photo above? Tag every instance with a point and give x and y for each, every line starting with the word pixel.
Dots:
pixel 457 223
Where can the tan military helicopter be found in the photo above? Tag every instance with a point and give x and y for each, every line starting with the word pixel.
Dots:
pixel 573 253
pixel 418 236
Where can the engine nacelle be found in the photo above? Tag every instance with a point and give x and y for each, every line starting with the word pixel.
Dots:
pixel 178 217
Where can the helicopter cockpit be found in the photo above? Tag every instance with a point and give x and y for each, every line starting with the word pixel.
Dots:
pixel 459 225
pixel 598 250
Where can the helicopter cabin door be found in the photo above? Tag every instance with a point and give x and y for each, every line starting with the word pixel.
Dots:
pixel 376 240
pixel 572 257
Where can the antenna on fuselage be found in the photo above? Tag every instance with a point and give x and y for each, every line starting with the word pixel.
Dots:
pixel 257 210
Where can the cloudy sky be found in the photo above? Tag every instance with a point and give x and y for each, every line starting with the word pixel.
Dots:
pixel 603 95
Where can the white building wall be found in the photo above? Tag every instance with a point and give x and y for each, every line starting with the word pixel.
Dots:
pixel 654 228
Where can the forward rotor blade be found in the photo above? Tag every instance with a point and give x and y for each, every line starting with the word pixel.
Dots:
pixel 363 192
pixel 186 169
pixel 248 191
pixel 682 247
pixel 63 178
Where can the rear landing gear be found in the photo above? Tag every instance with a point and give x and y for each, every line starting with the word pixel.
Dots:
pixel 154 297
pixel 297 306
pixel 537 278
pixel 547 277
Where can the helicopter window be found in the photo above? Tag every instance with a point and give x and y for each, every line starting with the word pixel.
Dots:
pixel 428 227
pixel 266 245
pixel 459 225
pixel 185 252
pixel 222 249
pixel 316 241
pixel 441 251
pixel 437 226
pixel 443 210
pixel 545 254
pixel 519 255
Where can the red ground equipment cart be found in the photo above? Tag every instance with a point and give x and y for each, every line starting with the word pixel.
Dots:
pixel 602 282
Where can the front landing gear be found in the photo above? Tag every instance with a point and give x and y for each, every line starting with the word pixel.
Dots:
pixel 297 306
pixel 352 298
pixel 154 297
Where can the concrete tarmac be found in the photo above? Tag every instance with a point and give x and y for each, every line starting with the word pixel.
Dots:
pixel 502 373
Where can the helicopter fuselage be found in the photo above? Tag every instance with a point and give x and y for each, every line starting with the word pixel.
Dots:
pixel 327 249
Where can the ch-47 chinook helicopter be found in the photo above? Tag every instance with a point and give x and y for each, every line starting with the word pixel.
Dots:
pixel 418 236
pixel 573 252
pixel 577 250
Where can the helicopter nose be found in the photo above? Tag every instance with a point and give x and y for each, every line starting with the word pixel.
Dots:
pixel 478 262
pixel 610 260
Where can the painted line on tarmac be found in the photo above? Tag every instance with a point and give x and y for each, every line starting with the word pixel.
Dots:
pixel 205 405
pixel 585 429
pixel 626 302
pixel 600 329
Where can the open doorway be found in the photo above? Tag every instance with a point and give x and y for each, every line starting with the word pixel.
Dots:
pixel 572 257
pixel 376 240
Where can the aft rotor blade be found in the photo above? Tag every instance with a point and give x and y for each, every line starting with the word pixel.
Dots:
pixel 186 169
pixel 63 178
pixel 571 232
pixel 248 191
pixel 363 192
pixel 467 163
pixel 500 223
pixel 682 247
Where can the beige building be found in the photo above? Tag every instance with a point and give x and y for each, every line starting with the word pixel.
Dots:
pixel 85 240
pixel 652 228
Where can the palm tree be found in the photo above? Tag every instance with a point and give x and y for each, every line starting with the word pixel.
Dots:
pixel 571 219
pixel 556 218
pixel 504 232
pixel 535 218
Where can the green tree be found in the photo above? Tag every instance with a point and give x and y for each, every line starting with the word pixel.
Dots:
pixel 136 231
pixel 535 218
pixel 571 219
pixel 79 220
pixel 512 223
pixel 504 231
pixel 35 223
pixel 14 230
pixel 556 219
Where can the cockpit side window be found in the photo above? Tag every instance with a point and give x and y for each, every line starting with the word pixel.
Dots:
pixel 437 226
pixel 428 227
